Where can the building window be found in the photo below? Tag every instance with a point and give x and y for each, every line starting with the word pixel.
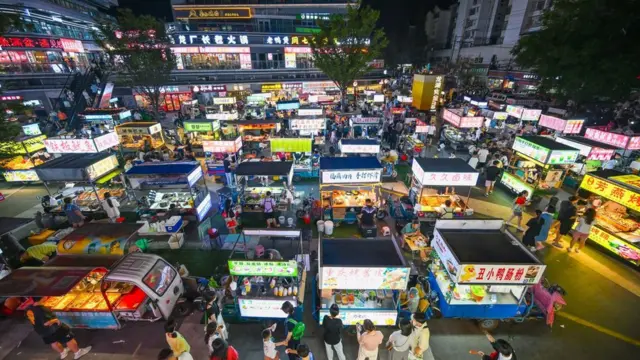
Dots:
pixel 475 2
pixel 473 11
pixel 540 5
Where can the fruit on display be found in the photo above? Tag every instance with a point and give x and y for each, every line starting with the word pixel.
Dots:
pixel 19 163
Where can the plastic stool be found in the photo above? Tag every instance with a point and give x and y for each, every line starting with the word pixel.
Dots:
pixel 120 220
pixel 290 222
pixel 259 251
pixel 214 237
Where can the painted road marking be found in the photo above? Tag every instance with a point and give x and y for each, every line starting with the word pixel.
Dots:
pixel 599 328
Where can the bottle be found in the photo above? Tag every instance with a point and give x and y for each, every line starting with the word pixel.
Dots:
pixel 295 291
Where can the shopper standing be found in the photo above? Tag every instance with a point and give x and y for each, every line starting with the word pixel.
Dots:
pixel 473 161
pixel 291 341
pixel 547 217
pixel 399 341
pixel 369 339
pixel 111 206
pixel 228 172
pixel 581 232
pixel 74 215
pixel 491 175
pixel 419 337
pixel 53 332
pixel 566 218
pixel 534 226
pixel 223 351
pixel 483 153
pixel 332 326
pixel 518 209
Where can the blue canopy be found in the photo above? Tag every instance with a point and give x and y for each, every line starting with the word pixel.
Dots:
pixel 346 163
pixel 164 168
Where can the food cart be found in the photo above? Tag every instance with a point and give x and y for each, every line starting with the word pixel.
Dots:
pixel 592 156
pixel 617 227
pixel 366 127
pixel 435 181
pixel 539 164
pixel 346 183
pixel 87 177
pixel 456 133
pixel 100 292
pixel 136 136
pixel 110 117
pixel 159 185
pixel 255 133
pixel 363 277
pixel 19 157
pixel 216 150
pixel 199 131
pixel 266 281
pixel 480 272
pixel 297 150
pixel 255 178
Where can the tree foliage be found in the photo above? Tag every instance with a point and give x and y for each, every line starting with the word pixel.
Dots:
pixel 139 48
pixel 346 44
pixel 586 48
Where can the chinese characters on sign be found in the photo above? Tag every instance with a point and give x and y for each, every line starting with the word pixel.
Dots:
pixel 351 176
pixel 552 122
pixel 454 116
pixel 530 114
pixel 209 39
pixel 310 112
pixel 224 100
pixel 437 87
pixel 11 98
pixel 364 278
pixel 446 256
pixel 611 191
pixel 354 316
pixel 573 126
pixel 601 154
pixel 211 13
pixel 106 141
pixel 198 126
pixel 530 149
pixel 209 88
pixel 500 274
pixel 515 184
pixel 263 268
pixel 621 248
pixel 559 157
pixel 618 140
pixel 263 308
pixel 222 147
pixel 359 148
pixel 30 42
pixel 634 143
pixel 365 120
pixel 307 124
pixel 271 87
pixel 102 167
pixel 515 111
pixel 69 146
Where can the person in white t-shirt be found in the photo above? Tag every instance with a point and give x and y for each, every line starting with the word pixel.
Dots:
pixel 473 162
pixel 483 154
pixel 111 206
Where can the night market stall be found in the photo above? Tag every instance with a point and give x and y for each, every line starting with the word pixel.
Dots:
pixel 199 131
pixel 256 178
pixel 267 279
pixel 19 157
pixel 298 150
pixel 539 164
pixel 99 292
pixel 480 272
pixel 521 113
pixel 356 147
pixel 616 198
pixel 346 183
pixel 561 126
pixel 171 186
pixel 255 133
pixel 457 134
pixel 592 156
pixel 435 181
pixel 87 178
pixel 145 136
pixel 215 152
pixel 110 117
pixel 364 277
pixel 366 127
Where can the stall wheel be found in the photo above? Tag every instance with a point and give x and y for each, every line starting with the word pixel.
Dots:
pixel 488 324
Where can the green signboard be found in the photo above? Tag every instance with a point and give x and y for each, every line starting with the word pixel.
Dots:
pixel 301 145
pixel 198 126
pixel 263 268
pixel 307 30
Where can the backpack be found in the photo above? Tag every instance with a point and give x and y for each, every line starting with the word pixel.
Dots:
pixel 298 329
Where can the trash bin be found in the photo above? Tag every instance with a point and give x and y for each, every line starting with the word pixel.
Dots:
pixel 320 224
pixel 281 220
pixel 328 227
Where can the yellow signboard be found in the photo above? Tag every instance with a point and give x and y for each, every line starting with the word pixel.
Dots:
pixel 426 91
pixel 271 87
pixel 611 191
pixel 631 180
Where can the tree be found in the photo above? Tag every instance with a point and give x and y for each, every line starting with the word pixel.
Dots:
pixel 8 130
pixel 346 44
pixel 586 49
pixel 139 48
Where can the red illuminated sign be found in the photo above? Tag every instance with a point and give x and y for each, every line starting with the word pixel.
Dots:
pixel 31 42
pixel 11 98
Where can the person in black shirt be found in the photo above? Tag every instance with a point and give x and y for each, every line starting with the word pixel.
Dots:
pixel 333 333
pixel 367 214
pixel 492 173
pixel 534 226
pixel 290 324
pixel 566 218
pixel 54 332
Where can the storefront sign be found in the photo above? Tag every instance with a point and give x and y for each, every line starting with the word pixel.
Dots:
pixel 619 141
pixel 222 147
pixel 359 148
pixel 291 85
pixel 500 115
pixel 310 112
pixel 106 141
pixel 530 149
pixel 611 191
pixel 634 143
pixel 211 13
pixel 443 178
pixel 224 100
pixel 203 208
pixel 209 88
pixel 515 111
pixel 630 180
pixel 573 126
pixel 287 105
pixel 447 257
pixel 11 98
pixel 102 167
pixel 530 114
pixel 264 308
pixel 421 127
pixel 198 126
pixel 70 45
pixel 405 99
pixel 437 87
pixel 31 129
pixel 601 154
pixel 70 146
pixel 365 120
pixel 378 98
pixel 351 316
pixel 20 175
pixel 364 278
pixel 615 245
pixel 222 116
pixel 307 124
pixel 30 42
pixel 318 86
pixel 297 50
pixel 209 39
pixel 516 185
pixel 263 268
pixel 500 274
pixel 560 157
pixel 462 122
pixel 351 176
pixel 552 122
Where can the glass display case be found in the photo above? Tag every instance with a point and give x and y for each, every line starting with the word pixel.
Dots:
pixel 140 135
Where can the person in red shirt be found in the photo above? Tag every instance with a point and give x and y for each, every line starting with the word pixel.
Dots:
pixel 518 209
pixel 223 351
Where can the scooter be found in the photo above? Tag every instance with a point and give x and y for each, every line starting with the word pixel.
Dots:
pixel 547 299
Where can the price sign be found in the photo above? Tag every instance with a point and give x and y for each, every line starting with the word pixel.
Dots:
pixel 351 176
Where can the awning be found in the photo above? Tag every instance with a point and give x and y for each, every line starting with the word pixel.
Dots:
pixel 264 168
pixel 444 172
pixel 371 253
pixel 165 168
pixel 42 281
pixel 69 167
pixel 349 163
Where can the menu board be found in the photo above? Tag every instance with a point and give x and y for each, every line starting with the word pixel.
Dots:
pixel 500 274
pixel 530 149
pixel 222 146
pixel 198 126
pixel 351 176
pixel 364 278
pixel 21 175
pixel 612 191
pixel 102 167
pixel 516 185
pixel 301 145
pixel 559 157
pixel 619 141
pixel 307 124
pixel 264 308
pixel 353 316
pixel 263 268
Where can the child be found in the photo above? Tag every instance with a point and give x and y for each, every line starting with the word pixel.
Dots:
pixel 302 351
pixel 176 341
pixel 270 352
